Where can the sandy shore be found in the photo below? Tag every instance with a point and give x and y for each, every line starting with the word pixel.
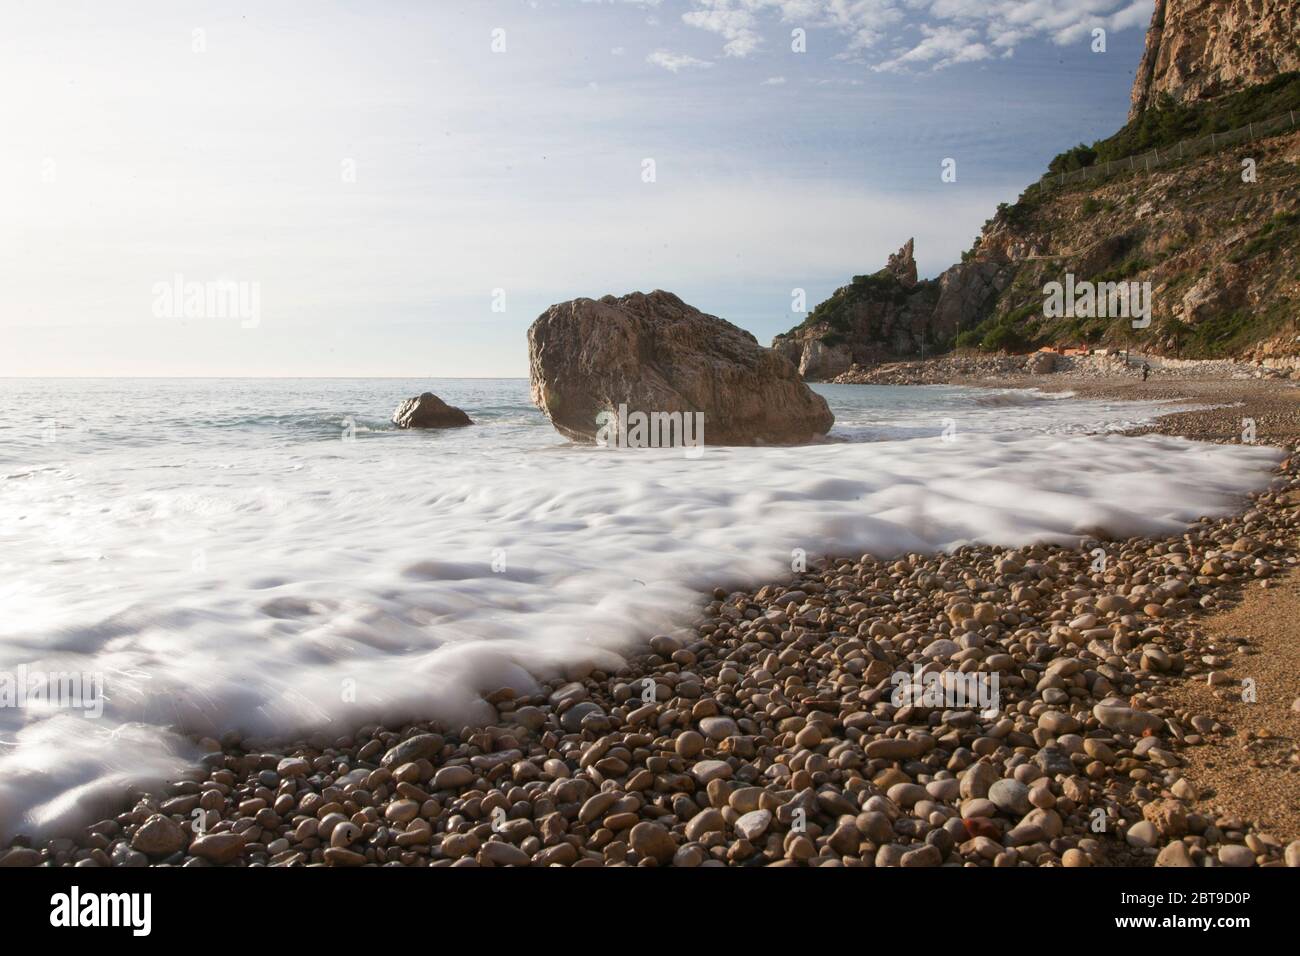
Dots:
pixel 1115 733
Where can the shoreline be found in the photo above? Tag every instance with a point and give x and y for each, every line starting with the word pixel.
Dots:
pixel 771 739
pixel 1270 397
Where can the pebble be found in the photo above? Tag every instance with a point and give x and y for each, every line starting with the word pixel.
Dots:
pixel 1182 789
pixel 652 841
pixel 719 728
pixel 754 824
pixel 293 767
pixel 1174 854
pixel 337 856
pixel 453 778
pixel 705 822
pixel 421 746
pixel 1142 835
pixel 571 719
pixel 20 856
pixel 772 738
pixel 1234 855
pixel 1010 796
pixel 927 855
pixel 1126 719
pixel 707 770
pixel 504 854
pixel 158 836
pixel 218 847
pixel 689 744
pixel 893 748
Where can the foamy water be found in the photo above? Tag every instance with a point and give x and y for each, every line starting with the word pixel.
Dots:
pixel 223 560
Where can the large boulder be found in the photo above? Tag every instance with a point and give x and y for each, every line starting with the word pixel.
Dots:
pixel 656 354
pixel 429 411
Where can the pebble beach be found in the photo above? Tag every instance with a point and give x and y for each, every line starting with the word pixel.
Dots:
pixel 774 734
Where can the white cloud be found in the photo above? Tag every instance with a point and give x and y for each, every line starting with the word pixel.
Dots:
pixel 736 25
pixel 676 62
pixel 950 31
pixel 941 47
pixel 774 81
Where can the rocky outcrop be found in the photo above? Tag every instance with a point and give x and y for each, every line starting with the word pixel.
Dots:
pixel 902 265
pixel 1223 262
pixel 888 314
pixel 656 355
pixel 968 291
pixel 1199 49
pixel 429 411
pixel 819 361
pixel 1215 293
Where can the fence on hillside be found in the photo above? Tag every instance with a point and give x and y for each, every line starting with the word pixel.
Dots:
pixel 1186 149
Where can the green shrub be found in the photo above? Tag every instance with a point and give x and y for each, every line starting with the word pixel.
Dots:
pixel 1076 157
pixel 1167 122
pixel 1125 271
pixel 1002 338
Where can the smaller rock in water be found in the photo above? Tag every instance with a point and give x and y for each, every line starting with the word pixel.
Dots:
pixel 429 411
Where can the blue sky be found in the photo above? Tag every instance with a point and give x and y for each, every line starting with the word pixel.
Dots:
pixel 406 199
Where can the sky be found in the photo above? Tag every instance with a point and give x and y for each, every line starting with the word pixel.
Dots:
pixel 399 188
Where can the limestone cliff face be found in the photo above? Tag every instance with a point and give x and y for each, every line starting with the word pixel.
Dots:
pixel 1200 49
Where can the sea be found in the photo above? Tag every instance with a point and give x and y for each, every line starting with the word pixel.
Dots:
pixel 184 558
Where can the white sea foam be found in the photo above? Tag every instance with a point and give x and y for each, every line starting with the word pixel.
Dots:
pixel 282 590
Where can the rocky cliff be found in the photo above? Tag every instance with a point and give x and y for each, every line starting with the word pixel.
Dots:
pixel 1221 256
pixel 1200 49
pixel 1210 234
